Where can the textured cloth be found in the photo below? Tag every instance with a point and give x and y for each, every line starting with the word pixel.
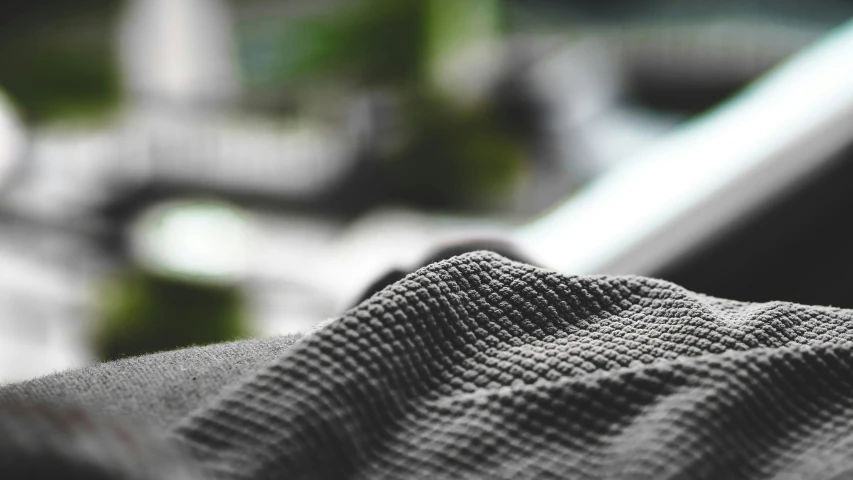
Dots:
pixel 51 441
pixel 158 389
pixel 478 367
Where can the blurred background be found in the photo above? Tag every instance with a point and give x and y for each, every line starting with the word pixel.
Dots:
pixel 182 172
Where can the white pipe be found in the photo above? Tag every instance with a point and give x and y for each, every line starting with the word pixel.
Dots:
pixel 707 176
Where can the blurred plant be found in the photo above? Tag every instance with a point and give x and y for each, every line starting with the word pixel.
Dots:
pixel 454 157
pixel 57 58
pixel 369 43
pixel 143 312
pixel 450 147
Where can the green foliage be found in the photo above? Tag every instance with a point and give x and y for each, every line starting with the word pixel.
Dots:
pixel 454 157
pixel 53 81
pixel 145 312
pixel 367 42
pixel 450 155
pixel 447 155
pixel 57 58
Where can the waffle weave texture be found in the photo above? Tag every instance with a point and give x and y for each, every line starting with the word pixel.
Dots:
pixel 479 367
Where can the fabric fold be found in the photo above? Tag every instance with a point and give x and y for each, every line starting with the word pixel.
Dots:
pixel 479 367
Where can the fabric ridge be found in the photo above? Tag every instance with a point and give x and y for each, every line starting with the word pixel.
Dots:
pixel 479 367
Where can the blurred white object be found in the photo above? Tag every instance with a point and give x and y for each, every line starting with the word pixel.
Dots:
pixel 44 311
pixel 178 51
pixel 229 154
pixel 66 169
pixel 198 239
pixel 12 139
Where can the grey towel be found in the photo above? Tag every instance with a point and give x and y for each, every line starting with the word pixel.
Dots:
pixel 478 367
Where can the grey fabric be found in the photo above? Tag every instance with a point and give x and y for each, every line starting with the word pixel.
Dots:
pixel 46 441
pixel 478 367
pixel 157 389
